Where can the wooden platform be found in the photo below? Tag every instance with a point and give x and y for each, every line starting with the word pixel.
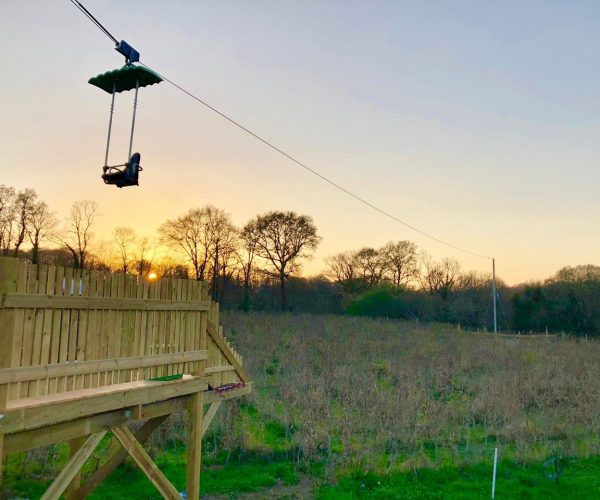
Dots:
pixel 85 353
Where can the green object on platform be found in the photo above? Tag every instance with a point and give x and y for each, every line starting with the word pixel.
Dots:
pixel 167 377
pixel 125 78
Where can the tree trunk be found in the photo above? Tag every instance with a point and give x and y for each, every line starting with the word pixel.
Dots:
pixel 35 253
pixel 282 288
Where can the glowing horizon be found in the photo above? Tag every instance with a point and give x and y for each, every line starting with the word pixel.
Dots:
pixel 435 113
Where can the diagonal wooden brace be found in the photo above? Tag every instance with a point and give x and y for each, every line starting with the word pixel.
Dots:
pixel 73 466
pixel 209 415
pixel 145 463
pixel 117 458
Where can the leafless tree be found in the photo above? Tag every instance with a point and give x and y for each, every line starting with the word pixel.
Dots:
pixel 7 217
pixel 370 266
pixel 221 238
pixel 439 277
pixel 24 205
pixel 283 238
pixel 124 238
pixel 202 234
pixel 341 268
pixel 78 233
pixel 144 253
pixel 400 261
pixel 42 226
pixel 188 234
pixel 248 238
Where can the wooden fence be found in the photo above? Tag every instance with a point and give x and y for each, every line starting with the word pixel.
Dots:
pixel 77 344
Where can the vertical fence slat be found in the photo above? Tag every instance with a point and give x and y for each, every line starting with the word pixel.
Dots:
pixel 38 332
pixel 74 324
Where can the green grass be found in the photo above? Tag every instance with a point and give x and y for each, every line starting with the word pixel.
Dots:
pixel 128 481
pixel 418 417
pixel 250 476
pixel 580 479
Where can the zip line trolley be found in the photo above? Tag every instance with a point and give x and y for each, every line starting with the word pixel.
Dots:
pixel 129 77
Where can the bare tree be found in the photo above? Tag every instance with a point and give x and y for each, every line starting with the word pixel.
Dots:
pixel 77 233
pixel 439 277
pixel 7 217
pixel 283 238
pixel 370 266
pixel 400 261
pixel 248 239
pixel 221 241
pixel 124 238
pixel 144 255
pixel 42 226
pixel 24 205
pixel 188 234
pixel 341 268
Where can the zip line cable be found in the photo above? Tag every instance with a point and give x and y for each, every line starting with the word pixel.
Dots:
pixel 89 15
pixel 314 172
pixel 282 152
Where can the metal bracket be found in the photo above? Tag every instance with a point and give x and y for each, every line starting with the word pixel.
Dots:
pixel 131 55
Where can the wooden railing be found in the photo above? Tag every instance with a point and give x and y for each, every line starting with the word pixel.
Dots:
pixel 76 345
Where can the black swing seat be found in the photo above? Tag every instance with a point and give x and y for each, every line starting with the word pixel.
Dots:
pixel 123 175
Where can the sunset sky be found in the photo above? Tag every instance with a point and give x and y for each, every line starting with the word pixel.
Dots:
pixel 477 122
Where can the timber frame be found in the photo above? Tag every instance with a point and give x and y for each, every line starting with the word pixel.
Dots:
pixel 85 353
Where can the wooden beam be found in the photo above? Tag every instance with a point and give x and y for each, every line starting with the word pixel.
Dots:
pixel 65 431
pixel 24 373
pixel 217 369
pixel 217 339
pixel 194 446
pixel 145 463
pixel 29 413
pixel 74 445
pixel 73 466
pixel 38 301
pixel 209 415
pixel 117 458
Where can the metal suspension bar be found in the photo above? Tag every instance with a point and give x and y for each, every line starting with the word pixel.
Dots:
pixel 112 108
pixel 137 85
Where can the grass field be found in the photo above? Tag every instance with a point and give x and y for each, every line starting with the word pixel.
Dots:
pixel 348 407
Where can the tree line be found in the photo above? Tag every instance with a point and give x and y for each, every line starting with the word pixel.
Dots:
pixel 258 266
pixel 202 244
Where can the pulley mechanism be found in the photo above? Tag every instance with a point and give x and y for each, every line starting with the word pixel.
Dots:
pixel 129 77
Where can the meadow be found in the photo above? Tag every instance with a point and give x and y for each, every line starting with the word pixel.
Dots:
pixel 351 407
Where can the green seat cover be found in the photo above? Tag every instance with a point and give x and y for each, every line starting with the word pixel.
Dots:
pixel 125 78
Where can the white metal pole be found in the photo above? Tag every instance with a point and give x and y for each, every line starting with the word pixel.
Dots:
pixel 494 473
pixel 495 295
pixel 112 109
pixel 137 85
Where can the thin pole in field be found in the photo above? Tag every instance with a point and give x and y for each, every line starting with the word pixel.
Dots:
pixel 495 295
pixel 494 473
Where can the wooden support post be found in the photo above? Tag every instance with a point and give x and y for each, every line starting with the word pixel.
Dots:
pixel 211 412
pixel 74 445
pixel 73 466
pixel 194 447
pixel 118 458
pixel 144 462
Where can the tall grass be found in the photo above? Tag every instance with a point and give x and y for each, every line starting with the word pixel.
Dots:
pixel 367 398
pixel 390 394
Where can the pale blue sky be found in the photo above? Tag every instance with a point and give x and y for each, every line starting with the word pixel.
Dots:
pixel 477 121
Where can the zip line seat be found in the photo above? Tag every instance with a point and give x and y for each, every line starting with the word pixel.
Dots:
pixel 126 176
pixel 129 77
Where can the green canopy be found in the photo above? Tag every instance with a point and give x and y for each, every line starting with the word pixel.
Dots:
pixel 125 78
